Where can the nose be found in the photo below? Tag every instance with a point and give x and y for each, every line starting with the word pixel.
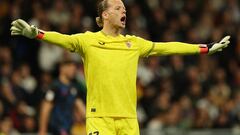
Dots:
pixel 124 11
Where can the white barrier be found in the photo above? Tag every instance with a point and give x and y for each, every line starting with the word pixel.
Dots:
pixel 178 131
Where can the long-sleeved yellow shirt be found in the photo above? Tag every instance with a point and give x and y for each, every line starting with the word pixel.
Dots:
pixel 110 66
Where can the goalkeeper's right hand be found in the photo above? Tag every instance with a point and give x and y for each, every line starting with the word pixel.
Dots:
pixel 20 27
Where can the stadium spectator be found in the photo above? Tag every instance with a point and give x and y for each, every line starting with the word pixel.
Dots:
pixel 60 101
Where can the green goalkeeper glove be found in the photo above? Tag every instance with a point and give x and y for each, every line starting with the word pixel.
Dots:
pixel 20 27
pixel 215 47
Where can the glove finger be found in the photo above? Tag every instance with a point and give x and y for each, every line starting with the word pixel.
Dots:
pixel 13 28
pixel 22 23
pixel 14 33
pixel 219 50
pixel 225 46
pixel 224 39
pixel 18 25
pixel 227 42
pixel 13 23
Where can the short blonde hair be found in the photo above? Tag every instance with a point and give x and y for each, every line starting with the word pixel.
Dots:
pixel 102 6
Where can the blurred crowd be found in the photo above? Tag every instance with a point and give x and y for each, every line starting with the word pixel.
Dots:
pixel 190 92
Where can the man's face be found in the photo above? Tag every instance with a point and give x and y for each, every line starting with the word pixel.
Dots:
pixel 116 13
pixel 69 70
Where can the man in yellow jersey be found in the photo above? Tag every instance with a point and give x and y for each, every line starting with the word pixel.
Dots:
pixel 110 63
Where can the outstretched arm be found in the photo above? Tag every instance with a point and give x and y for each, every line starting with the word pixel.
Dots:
pixel 70 42
pixel 167 48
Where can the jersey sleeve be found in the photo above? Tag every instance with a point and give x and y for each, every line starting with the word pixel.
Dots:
pixel 73 43
pixel 149 48
pixel 167 48
pixel 50 94
pixel 145 46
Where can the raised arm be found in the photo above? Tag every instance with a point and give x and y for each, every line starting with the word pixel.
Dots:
pixel 149 48
pixel 70 42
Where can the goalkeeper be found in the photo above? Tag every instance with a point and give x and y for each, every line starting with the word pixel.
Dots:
pixel 110 63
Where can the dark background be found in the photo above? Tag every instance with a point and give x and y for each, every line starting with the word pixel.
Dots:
pixel 189 92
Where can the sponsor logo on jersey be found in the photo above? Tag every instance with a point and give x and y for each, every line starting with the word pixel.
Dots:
pixel 128 44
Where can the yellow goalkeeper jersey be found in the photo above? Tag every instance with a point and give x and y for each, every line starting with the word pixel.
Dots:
pixel 110 66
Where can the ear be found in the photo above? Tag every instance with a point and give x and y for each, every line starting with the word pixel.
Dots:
pixel 105 14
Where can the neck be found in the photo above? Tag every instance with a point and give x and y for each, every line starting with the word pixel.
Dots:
pixel 64 79
pixel 110 30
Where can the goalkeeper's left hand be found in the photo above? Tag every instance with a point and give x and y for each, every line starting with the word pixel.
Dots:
pixel 215 47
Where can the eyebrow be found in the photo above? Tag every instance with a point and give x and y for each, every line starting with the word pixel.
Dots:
pixel 118 6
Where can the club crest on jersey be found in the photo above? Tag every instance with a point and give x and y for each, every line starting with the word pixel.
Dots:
pixel 101 43
pixel 128 44
pixel 73 91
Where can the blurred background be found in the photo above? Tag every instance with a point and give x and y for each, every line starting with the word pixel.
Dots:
pixel 195 95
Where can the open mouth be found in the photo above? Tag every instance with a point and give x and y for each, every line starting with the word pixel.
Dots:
pixel 123 19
